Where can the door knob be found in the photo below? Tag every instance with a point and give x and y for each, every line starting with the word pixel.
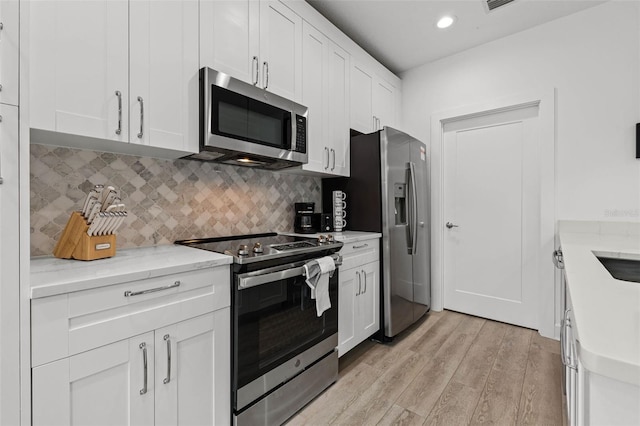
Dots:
pixel 451 225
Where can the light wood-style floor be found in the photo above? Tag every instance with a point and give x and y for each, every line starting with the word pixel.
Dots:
pixel 448 369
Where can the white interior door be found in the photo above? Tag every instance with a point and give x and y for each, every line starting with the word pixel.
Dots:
pixel 492 215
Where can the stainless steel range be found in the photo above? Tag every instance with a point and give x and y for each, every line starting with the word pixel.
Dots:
pixel 283 354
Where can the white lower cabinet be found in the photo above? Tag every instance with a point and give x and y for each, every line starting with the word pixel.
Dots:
pixel 592 399
pixel 198 353
pixel 101 386
pixel 359 295
pixel 171 368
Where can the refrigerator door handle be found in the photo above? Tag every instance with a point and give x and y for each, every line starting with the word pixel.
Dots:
pixel 410 229
pixel 414 208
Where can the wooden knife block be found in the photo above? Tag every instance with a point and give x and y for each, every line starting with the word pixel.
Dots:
pixel 75 243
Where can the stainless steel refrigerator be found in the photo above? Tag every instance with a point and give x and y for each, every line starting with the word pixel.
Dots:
pixel 387 193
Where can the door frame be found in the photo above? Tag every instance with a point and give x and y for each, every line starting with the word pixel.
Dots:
pixel 547 297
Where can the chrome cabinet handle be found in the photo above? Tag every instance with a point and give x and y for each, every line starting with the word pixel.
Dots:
pixel 361 246
pixel 327 151
pixel 451 225
pixel 1 180
pixel 265 70
pixel 141 133
pixel 168 378
pixel 151 290
pixel 359 284
pixel 143 346
pixel 558 260
pixel 255 60
pixel 119 129
pixel 333 153
pixel 364 274
pixel 563 342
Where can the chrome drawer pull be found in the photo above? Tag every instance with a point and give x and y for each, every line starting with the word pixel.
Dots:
pixel 151 290
pixel 143 346
pixel 168 378
pixel 362 246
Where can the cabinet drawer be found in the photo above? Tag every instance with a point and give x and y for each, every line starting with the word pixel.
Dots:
pixel 71 323
pixel 360 253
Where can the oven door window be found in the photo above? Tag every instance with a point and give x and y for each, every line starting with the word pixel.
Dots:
pixel 240 117
pixel 277 321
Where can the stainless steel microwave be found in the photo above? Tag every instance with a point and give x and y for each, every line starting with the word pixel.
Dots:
pixel 244 125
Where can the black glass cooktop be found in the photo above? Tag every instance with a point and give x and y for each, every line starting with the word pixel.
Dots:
pixel 258 247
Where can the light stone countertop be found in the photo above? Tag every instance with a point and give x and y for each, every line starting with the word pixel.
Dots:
pixel 346 237
pixel 606 310
pixel 52 276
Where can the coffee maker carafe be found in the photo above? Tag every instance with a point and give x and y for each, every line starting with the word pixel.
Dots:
pixel 305 220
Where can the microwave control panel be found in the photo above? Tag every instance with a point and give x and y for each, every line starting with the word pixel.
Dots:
pixel 301 134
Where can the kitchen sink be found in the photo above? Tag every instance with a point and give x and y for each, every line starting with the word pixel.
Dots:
pixel 622 269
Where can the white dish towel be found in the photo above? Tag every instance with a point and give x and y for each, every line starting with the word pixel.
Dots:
pixel 318 272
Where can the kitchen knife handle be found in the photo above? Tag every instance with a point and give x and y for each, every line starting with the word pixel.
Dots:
pixel 143 346
pixel 168 378
pixel 141 133
pixel 119 95
pixel 151 290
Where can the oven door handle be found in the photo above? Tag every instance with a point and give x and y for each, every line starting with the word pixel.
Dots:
pixel 294 271
pixel 248 282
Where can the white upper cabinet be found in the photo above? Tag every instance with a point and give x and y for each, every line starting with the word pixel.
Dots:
pixel 78 62
pixel 339 100
pixel 280 49
pixel 259 42
pixel 325 88
pixel 315 80
pixel 361 98
pixel 164 73
pixel 229 37
pixel 373 99
pixel 9 33
pixel 116 70
pixel 384 103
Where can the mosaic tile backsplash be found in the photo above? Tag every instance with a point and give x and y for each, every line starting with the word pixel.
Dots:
pixel 166 200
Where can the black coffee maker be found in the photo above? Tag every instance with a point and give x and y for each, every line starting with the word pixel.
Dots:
pixel 305 221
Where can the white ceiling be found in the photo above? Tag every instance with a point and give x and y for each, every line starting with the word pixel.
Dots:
pixel 402 34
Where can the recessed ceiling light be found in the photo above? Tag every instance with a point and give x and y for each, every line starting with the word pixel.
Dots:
pixel 446 22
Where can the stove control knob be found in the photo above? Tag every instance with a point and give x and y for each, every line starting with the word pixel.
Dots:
pixel 242 250
pixel 329 238
pixel 322 239
pixel 257 248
